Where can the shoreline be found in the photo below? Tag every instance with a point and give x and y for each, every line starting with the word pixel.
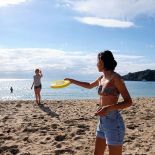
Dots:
pixel 68 127
pixel 80 99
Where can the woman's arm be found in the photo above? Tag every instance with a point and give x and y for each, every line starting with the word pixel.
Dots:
pixel 32 85
pixel 84 84
pixel 41 75
pixel 120 85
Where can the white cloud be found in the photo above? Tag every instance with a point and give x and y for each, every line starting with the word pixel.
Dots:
pixel 132 63
pixel 122 10
pixel 11 2
pixel 28 59
pixel 105 22
pixel 61 62
pixel 119 9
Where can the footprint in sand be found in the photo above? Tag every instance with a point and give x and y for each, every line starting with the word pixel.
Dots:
pixel 83 126
pixel 30 129
pixel 26 153
pixel 132 126
pixel 80 132
pixel 12 149
pixel 54 126
pixel 60 137
pixel 70 122
pixel 82 129
pixel 58 146
pixel 62 151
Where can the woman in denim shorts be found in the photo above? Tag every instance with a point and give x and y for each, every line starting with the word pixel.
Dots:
pixel 110 129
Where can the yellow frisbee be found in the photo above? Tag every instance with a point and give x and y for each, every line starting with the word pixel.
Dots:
pixel 60 83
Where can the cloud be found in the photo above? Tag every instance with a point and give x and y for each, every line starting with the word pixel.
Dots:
pixel 125 11
pixel 10 2
pixel 58 62
pixel 117 9
pixel 49 59
pixel 132 63
pixel 105 22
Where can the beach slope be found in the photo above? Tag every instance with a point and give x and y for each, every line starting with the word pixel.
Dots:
pixel 68 127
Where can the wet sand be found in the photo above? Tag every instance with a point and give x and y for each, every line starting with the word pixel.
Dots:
pixel 68 127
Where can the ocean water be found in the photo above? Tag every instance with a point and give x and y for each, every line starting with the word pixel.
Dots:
pixel 22 90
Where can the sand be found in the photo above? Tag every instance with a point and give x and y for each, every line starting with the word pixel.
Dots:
pixel 68 127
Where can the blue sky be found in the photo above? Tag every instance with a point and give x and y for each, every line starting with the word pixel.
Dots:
pixel 63 37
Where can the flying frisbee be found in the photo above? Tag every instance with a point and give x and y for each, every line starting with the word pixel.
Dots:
pixel 60 83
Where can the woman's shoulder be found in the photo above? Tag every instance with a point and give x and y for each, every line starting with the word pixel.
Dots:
pixel 117 76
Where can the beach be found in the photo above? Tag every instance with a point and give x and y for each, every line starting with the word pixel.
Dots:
pixel 68 127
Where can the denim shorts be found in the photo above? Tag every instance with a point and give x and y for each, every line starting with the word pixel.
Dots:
pixel 111 128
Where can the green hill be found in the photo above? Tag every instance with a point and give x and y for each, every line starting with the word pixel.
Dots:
pixel 146 75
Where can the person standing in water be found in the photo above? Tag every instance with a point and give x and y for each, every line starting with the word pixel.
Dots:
pixel 110 129
pixel 37 85
pixel 11 90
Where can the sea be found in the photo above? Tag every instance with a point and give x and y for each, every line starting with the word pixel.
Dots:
pixel 22 90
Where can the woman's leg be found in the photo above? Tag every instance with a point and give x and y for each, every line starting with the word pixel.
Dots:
pixel 36 95
pixel 100 146
pixel 39 96
pixel 115 149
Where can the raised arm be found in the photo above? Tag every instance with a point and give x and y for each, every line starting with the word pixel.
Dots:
pixel 84 84
pixel 41 75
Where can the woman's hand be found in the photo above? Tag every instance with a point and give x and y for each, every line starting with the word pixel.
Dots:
pixel 71 80
pixel 103 111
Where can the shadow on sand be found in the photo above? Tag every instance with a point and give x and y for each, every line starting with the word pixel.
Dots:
pixel 48 110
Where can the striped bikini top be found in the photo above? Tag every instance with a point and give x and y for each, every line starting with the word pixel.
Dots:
pixel 108 89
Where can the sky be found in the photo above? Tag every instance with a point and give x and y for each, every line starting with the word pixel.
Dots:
pixel 63 37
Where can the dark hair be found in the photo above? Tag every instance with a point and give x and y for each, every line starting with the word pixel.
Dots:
pixel 108 60
pixel 37 70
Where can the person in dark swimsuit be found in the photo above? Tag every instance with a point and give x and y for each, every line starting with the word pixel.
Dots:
pixel 11 90
pixel 110 129
pixel 37 85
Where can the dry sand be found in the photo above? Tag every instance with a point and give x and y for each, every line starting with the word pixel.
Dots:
pixel 68 127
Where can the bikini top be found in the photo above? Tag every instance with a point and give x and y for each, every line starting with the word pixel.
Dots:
pixel 108 89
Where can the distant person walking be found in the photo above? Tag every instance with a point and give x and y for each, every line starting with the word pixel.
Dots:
pixel 37 85
pixel 11 90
